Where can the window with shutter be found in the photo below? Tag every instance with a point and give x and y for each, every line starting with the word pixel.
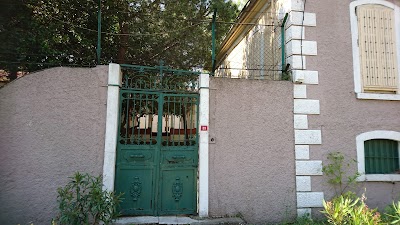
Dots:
pixel 377 48
pixel 375 34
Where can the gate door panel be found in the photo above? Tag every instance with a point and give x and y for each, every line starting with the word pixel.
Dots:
pixel 179 155
pixel 157 152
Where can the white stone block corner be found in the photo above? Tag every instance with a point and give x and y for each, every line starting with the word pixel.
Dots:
pixel 295 33
pixel 300 122
pixel 310 199
pixel 297 62
pixel 300 91
pixel 303 183
pixel 298 47
pixel 309 168
pixel 307 137
pixel 305 76
pixel 302 151
pixel 297 5
pixel 308 19
pixel 306 106
pixel 304 212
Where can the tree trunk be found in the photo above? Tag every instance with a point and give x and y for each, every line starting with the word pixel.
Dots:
pixel 123 44
pixel 12 75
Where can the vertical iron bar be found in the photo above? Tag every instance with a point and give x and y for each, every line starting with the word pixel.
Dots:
pixel 99 33
pixel 127 117
pixel 283 44
pixel 140 138
pixel 152 119
pixel 158 155
pixel 191 120
pixel 179 126
pixel 171 120
pixel 181 118
pixel 213 41
pixel 197 119
pixel 145 118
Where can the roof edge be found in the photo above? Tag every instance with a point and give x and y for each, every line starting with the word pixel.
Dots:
pixel 247 15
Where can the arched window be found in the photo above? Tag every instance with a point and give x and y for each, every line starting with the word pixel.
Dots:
pixel 376 49
pixel 378 155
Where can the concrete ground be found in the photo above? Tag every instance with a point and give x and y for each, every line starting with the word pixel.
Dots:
pixel 178 220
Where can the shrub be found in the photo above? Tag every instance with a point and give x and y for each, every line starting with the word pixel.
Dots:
pixel 347 209
pixel 82 201
pixel 392 214
pixel 335 171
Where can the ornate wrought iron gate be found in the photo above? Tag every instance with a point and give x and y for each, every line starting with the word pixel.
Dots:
pixel 157 152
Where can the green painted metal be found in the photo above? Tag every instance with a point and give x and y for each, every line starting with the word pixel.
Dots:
pixel 98 50
pixel 381 156
pixel 159 78
pixel 157 152
pixel 284 68
pixel 213 40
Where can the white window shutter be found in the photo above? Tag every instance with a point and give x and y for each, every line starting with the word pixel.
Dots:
pixel 377 46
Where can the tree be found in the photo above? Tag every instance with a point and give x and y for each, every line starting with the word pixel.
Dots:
pixel 46 33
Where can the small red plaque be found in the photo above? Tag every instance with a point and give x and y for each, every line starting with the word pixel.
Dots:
pixel 204 128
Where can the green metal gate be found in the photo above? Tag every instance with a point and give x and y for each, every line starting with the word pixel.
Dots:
pixel 157 151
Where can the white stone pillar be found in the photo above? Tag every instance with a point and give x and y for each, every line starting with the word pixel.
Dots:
pixel 203 144
pixel 110 147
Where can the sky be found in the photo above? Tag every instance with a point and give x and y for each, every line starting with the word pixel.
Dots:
pixel 240 2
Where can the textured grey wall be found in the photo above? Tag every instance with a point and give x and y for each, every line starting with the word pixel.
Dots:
pixel 343 116
pixel 252 162
pixel 52 124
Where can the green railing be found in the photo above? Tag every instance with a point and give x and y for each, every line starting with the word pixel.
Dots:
pixel 159 78
pixel 261 56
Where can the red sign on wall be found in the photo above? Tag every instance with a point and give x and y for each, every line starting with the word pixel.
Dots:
pixel 204 128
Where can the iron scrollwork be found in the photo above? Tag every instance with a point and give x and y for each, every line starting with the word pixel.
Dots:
pixel 136 189
pixel 177 189
pixel 159 78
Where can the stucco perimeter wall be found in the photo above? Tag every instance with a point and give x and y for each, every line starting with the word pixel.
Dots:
pixel 252 170
pixel 343 116
pixel 52 124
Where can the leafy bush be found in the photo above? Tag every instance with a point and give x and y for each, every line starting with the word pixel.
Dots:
pixel 347 209
pixel 82 201
pixel 335 171
pixel 392 214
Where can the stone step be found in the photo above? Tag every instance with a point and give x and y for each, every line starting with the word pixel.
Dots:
pixel 178 220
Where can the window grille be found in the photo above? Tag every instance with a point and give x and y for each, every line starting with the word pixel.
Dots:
pixel 381 156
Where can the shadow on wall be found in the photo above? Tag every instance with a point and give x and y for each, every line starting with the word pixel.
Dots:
pixel 52 124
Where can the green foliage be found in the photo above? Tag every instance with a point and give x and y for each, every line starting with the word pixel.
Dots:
pixel 82 201
pixel 335 170
pixel 286 75
pixel 392 214
pixel 38 34
pixel 347 209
